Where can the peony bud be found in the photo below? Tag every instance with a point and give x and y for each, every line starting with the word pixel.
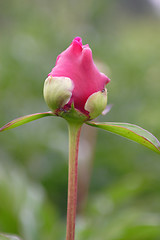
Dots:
pixel 75 82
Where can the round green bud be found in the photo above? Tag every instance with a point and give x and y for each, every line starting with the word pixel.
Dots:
pixel 57 91
pixel 96 103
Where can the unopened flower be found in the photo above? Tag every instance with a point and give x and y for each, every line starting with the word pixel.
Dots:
pixel 76 82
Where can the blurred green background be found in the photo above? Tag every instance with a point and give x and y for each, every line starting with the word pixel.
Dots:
pixel 123 201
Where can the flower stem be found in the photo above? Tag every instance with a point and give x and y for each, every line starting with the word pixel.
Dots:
pixel 74 134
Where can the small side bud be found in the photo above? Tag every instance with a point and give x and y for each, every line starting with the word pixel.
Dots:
pixel 96 103
pixel 57 91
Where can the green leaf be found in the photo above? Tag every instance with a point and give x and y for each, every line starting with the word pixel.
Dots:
pixel 131 132
pixel 25 119
pixel 8 237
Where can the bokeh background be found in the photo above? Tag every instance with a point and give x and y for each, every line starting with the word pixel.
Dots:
pixel 119 192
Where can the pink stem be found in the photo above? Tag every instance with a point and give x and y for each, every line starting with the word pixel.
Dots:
pixel 74 134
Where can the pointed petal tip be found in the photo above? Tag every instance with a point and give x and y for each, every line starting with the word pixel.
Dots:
pixel 107 80
pixel 78 39
pixel 87 59
pixel 76 45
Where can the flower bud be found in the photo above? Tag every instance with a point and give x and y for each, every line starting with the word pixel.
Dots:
pixel 96 103
pixel 57 91
pixel 75 87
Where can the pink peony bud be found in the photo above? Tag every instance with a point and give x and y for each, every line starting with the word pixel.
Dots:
pixel 76 63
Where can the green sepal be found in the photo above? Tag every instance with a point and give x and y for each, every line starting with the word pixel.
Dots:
pixel 96 103
pixel 130 131
pixel 57 91
pixel 25 119
pixel 72 115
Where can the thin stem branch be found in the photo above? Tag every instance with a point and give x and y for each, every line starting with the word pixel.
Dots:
pixel 74 134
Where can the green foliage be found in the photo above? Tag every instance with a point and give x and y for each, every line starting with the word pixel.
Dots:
pixel 131 132
pixel 25 119
pixel 24 207
pixel 125 209
pixel 8 237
